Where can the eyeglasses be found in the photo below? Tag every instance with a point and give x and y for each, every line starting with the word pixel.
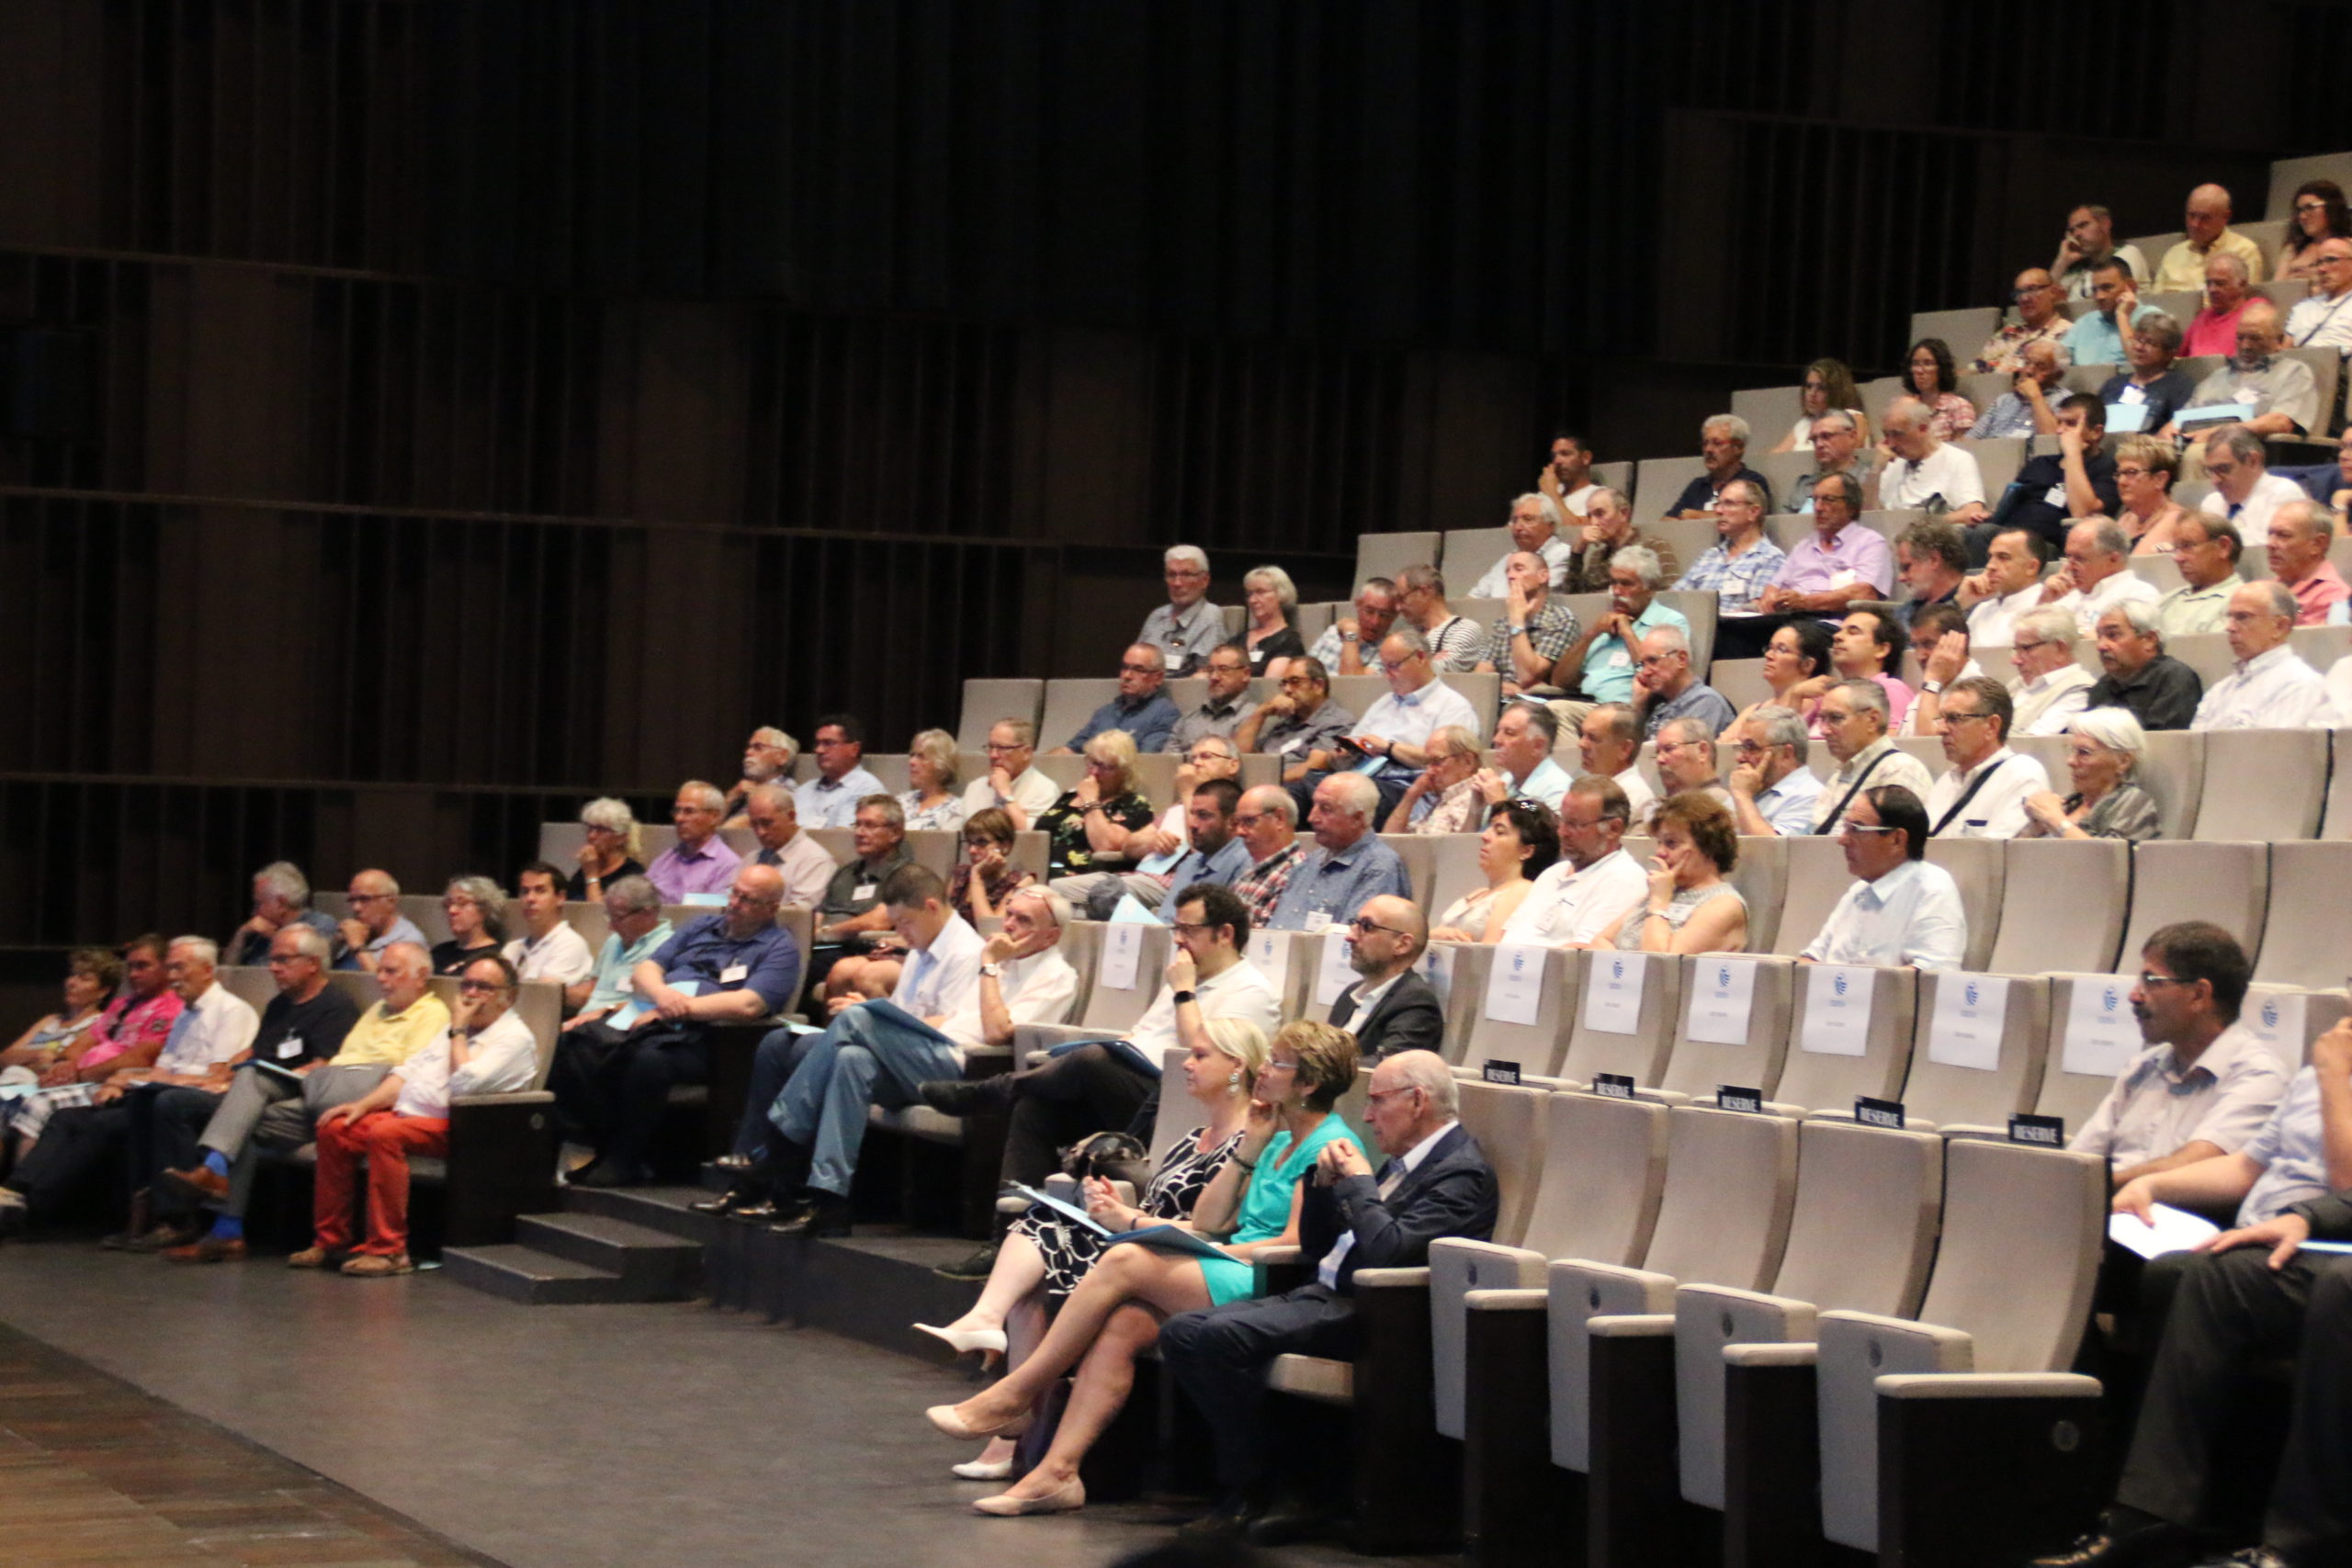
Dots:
pixel 2311 205
pixel 1138 670
pixel 992 749
pixel 1365 925
pixel 1196 927
pixel 480 986
pixel 1948 719
pixel 1848 829
pixel 2148 981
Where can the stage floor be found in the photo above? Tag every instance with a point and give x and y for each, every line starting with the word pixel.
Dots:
pixel 561 1437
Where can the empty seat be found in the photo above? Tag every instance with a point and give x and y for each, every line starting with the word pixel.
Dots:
pixel 1069 704
pixel 1525 1008
pixel 1734 1024
pixel 2226 883
pixel 2173 771
pixel 1658 480
pixel 1327 973
pixel 2302 943
pixel 1127 966
pixel 1385 555
pixel 2338 822
pixel 1464 967
pixel 1419 852
pixel 2063 903
pixel 1626 1018
pixel 2263 784
pixel 1978 1058
pixel 1817 878
pixel 1849 1034
pixel 1963 331
pixel 1466 554
pixel 1978 866
pixel 1741 681
pixel 1698 607
pixel 1508 1122
pixel 1762 878
pixel 1287 961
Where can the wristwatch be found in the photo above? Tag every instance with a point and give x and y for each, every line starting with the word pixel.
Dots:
pixel 993 971
pixel 1179 998
pixel 1932 687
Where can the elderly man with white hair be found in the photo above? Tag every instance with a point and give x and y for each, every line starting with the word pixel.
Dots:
pixel 1348 864
pixel 1685 761
pixel 2157 689
pixel 2024 410
pixel 1535 629
pixel 375 923
pixel 2095 575
pixel 1350 645
pixel 2282 392
pixel 2269 688
pixel 1601 663
pixel 805 865
pixel 1665 687
pixel 1837 441
pixel 1187 626
pixel 2299 535
pixel 1925 473
pixel 1014 783
pixel 700 862
pixel 1772 791
pixel 281 898
pixel 768 757
pixel 1723 448
pixel 1534 524
pixel 1388 746
pixel 2050 688
pixel 1609 527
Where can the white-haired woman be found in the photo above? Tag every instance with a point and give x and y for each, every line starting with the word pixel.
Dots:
pixel 1444 798
pixel 611 851
pixel 1270 639
pixel 932 802
pixel 2102 751
pixel 475 907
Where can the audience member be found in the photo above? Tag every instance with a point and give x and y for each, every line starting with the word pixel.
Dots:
pixel 281 899
pixel 1868 646
pixel 931 802
pixel 1454 641
pixel 805 865
pixel 2103 751
pixel 375 923
pixel 2299 535
pixel 2206 549
pixel 1349 863
pixel 129 1034
pixel 636 931
pixel 474 908
pixel 1269 639
pixel 2009 586
pixel 1829 390
pixel 1609 528
pixel 1182 631
pixel 1300 723
pixel 1158 851
pixel 2282 392
pixel 2268 687
pixel 2155 385
pixel 1533 631
pixel 1220 713
pixel 1267 824
pixel 1901 910
pixel 1691 906
pixel 2156 689
pixel 1598 666
pixel 2039 318
pixel 2050 688
pixel 1666 689
pixel 1853 723
pixel 1594 882
pixel 1014 783
pixel 1142 709
pixel 1525 769
pixel 2089 243
pixel 548 948
pixel 1521 841
pixel 1350 646
pixel 2145 467
pixel 1388 1006
pixel 850 920
pixel 91 975
pixel 700 862
pixel 2320 319
pixel 2319 215
pixel 1795 662
pixel 1939 632
pixel 1934 380
pixel 1216 857
pixel 768 757
pixel 1567 480
pixel 2024 410
pixel 2209 234
pixel 1983 794
pixel 1388 745
pixel 1089 827
pixel 1930 562
pixel 985 877
pixel 609 851
pixel 1685 753
pixel 486 1049
pixel 2077 480
pixel 1772 792
pixel 831 799
pixel 1840 563
pixel 1723 448
pixel 1535 530
pixel 2106 336
pixel 1444 797
pixel 2245 490
pixel 1609 746
pixel 1924 473
pixel 2228 288
pixel 2096 576
pixel 1740 565
pixel 1838 449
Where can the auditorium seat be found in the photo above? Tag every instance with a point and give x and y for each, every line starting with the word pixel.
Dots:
pixel 1817 878
pixel 1762 878
pixel 1658 481
pixel 2226 883
pixel 1977 1058
pixel 1699 608
pixel 1325 954
pixel 1978 866
pixel 2288 1018
pixel 2286 174
pixel 1626 1016
pixel 1741 682
pixel 2092 1037
pixel 1463 967
pixel 1843 1044
pixel 2302 944
pixel 1385 555
pixel 1700 1061
pixel 2263 784
pixel 1102 1011
pixel 1964 329
pixel 1536 1046
pixel 1465 554
pixel 2063 902
pixel 2337 824
pixel 1069 703
pixel 1453 871
pixel 1287 961
pixel 988 699
pixel 1419 853
pixel 2171 769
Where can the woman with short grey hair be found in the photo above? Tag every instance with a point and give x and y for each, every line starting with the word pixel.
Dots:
pixel 1267 637
pixel 475 907
pixel 932 802
pixel 2103 750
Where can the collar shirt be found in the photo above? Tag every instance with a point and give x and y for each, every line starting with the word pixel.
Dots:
pixel 402 930
pixel 1856 555
pixel 1261 887
pixel 1569 906
pixel 2077 279
pixel 2191 612
pixel 1911 915
pixel 1410 719
pixel 1294 738
pixel 767 962
pixel 2274 689
pixel 1998 808
pixel 2005 350
pixel 1325 651
pixel 293 1033
pixel 1241 991
pixel 1992 624
pixel 2158 400
pixel 940 980
pixel 2322 321
pixel 1789 805
pixel 1183 636
pixel 216 1027
pixel 1608 673
pixel 2008 418
pixel 1195 869
pixel 2291 1149
pixel 2253 514
pixel 1329 885
pixel 1589 573
pixel 1694 701
pixel 1880 763
pixel 617 966
pixel 1036 989
pixel 1033 792
pixel 1391 1176
pixel 2276 385
pixel 1455 644
pixel 1737 581
pixel 832 803
pixel 2319 593
pixel 502 1059
pixel 1549 631
pixel 2182 271
pixel 1461 810
pixel 1496 584
pixel 383 1039
pixel 1639 795
pixel 2047 704
pixel 1865 464
pixel 2124 587
pixel 560 955
pixel 1549 784
pixel 678 871
pixel 2212 336
pixel 1949 472
pixel 2157 1107
pixel 2163 696
pixel 1146 721
pixel 2096 339
pixel 1212 717
pixel 807 865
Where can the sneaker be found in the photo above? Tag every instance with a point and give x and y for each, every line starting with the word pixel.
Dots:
pixel 978 1266
pixel 376 1266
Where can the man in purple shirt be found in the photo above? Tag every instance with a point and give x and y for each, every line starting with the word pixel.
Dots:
pixel 699 861
pixel 1839 564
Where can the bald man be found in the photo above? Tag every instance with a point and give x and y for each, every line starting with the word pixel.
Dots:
pixel 375 921
pixel 1389 1007
pixel 2207 221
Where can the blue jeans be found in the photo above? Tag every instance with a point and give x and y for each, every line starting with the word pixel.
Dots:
pixel 860 1062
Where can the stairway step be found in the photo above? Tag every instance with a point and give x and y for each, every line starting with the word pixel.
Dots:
pixel 535 1279
pixel 656 1208
pixel 665 1263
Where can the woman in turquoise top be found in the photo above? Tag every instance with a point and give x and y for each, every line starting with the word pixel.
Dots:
pixel 1117 1309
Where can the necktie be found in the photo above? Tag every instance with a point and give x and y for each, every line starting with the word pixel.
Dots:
pixel 1390 1174
pixel 769 857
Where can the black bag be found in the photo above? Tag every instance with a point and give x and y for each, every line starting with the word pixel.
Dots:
pixel 1114 1156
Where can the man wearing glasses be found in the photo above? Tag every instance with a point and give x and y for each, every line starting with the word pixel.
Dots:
pixel 1900 910
pixel 376 922
pixel 1348 864
pixel 487 1049
pixel 1389 1007
pixel 2040 320
pixel 1013 784
pixel 1299 722
pixel 1227 671
pixel 2206 549
pixel 1983 794
pixel 2097 575
pixel 1666 688
pixel 1187 627
pixel 2050 688
pixel 1525 769
pixel 1141 707
pixel 2322 319
pixel 700 862
pixel 1772 791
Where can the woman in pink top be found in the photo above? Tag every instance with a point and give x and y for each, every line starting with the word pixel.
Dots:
pixel 129 1034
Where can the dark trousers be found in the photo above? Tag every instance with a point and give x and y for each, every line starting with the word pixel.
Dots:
pixel 1219 1358
pixel 1089 1089
pixel 71 1149
pixel 2231 1308
pixel 610 1085
pixel 781 1051
pixel 175 1122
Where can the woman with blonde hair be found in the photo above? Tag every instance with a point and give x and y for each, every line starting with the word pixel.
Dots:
pixel 932 803
pixel 1089 827
pixel 1269 639
pixel 2145 467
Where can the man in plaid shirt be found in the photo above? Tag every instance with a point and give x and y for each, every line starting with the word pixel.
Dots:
pixel 1267 824
pixel 1742 561
pixel 1534 630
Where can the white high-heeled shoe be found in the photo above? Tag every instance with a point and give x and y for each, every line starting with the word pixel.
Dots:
pixel 1064 1499
pixel 966 1340
pixel 983 1470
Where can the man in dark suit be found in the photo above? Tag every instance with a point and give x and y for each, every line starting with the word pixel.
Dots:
pixel 1389 1009
pixel 1435 1183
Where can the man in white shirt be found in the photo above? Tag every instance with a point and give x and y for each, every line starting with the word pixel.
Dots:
pixel 1524 768
pixel 1534 527
pixel 2206 1084
pixel 2206 549
pixel 1853 717
pixel 2050 688
pixel 1594 882
pixel 2269 688
pixel 2096 576
pixel 1609 742
pixel 830 800
pixel 487 1049
pixel 1774 794
pixel 805 865
pixel 1013 784
pixel 1390 739
pixel 2322 319
pixel 1983 794
pixel 1924 470
pixel 2244 491
pixel 2009 585
pixel 1900 910
pixel 548 948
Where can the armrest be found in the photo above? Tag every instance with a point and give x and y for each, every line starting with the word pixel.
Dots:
pixel 1987 1385
pixel 1028 1037
pixel 1663 1097
pixel 516 1097
pixel 1967 1130
pixel 1888 1346
pixel 1274 1256
pixel 1391 1279
pixel 1798 1353
pixel 1632 1326
pixel 1736 1316
pixel 1506 1300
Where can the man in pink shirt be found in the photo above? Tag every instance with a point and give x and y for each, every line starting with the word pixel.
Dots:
pixel 2299 535
pixel 2214 329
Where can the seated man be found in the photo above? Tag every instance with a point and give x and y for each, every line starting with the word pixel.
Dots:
pixel 1157 853
pixel 1723 448
pixel 375 923
pixel 830 800
pixel 1142 707
pixel 1299 722
pixel 2153 382
pixel 2269 688
pixel 1348 864
pixel 2301 533
pixel 2206 1084
pixel 2160 691
pixel 1837 449
pixel 210 1035
pixel 1772 791
pixel 486 1049
pixel 2320 319
pixel 768 757
pixel 1839 564
pixel 1388 1006
pixel 2227 291
pixel 2009 585
pixel 2244 491
pixel 1389 745
pixel 1742 563
pixel 1869 646
pixel 1900 910
pixel 700 862
pixel 1609 746
pixel 611 1079
pixel 281 898
pixel 263 1111
pixel 2077 480
pixel 1598 665
pixel 1216 857
pixel 1534 526
pixel 805 865
pixel 1608 528
pixel 1525 769
pixel 1666 689
pixel 1945 656
pixel 2090 239
pixel 2281 392
pixel 1437 1183
pixel 1926 474
pixel 1594 883
pixel 2206 549
pixel 955 992
pixel 1183 630
pixel 1854 718
pixel 1012 783
pixel 2106 335
pixel 850 920
pixel 2095 575
pixel 1350 646
pixel 1456 641
pixel 2209 234
pixel 637 930
pixel 1686 759
pixel 2024 409
pixel 2042 318
pixel 1266 822
pixel 548 948
pixel 1983 794
pixel 1567 480
pixel 1930 562
pixel 1533 631
pixel 2050 688
pixel 1226 668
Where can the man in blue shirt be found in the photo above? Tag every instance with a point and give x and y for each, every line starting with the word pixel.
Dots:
pixel 1601 663
pixel 830 800
pixel 1141 709
pixel 1348 864
pixel 1215 858
pixel 611 1079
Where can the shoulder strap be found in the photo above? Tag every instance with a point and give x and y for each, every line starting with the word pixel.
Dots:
pixel 1828 823
pixel 1965 797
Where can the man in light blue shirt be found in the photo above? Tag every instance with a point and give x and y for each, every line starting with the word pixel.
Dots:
pixel 1524 768
pixel 830 800
pixel 1348 864
pixel 1900 910
pixel 1601 663
pixel 633 910
pixel 1772 791
pixel 2097 338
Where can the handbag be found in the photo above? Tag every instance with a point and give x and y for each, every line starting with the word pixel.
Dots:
pixel 1114 1156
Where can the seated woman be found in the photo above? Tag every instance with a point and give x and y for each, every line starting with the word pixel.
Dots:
pixel 610 852
pixel 1087 829
pixel 1827 384
pixel 91 975
pixel 1690 907
pixel 1522 840
pixel 475 907
pixel 1934 380
pixel 1043 1255
pixel 128 1032
pixel 2145 467
pixel 2103 748
pixel 1797 669
pixel 1444 798
pixel 934 803
pixel 1117 1309
pixel 1269 639
pixel 986 877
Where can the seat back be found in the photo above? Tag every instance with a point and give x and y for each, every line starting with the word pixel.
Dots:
pixel 1869 1204
pixel 1452 860
pixel 2287 1019
pixel 988 700
pixel 1699 606
pixel 1418 854
pixel 937 848
pixel 1287 961
pixel 1849 1034
pixel 1324 957
pixel 1508 1122
pixel 540 1004
pixel 1081 947
pixel 588 918
pixel 1734 1024
pixel 2299 949
pixel 1817 878
pixel 1730 1188
pixel 1625 1018
pixel 423 909
pixel 1525 1009
pixel 1977 867
pixel 799 923
pixel 1464 968
pixel 2338 822
pixel 2264 784
pixel 252 983
pixel 1069 703
pixel 1128 961
pixel 559 843
pixel 2063 903
pixel 1385 555
pixel 1980 1047
pixel 1963 331
pixel 2171 769
pixel 1762 878
pixel 1173 1120
pixel 1741 681
pixel 2092 1037
pixel 1466 554
pixel 1604 1171
pixel 2226 883
pixel 2021 1292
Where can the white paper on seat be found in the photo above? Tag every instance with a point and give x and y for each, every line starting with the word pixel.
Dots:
pixel 2176 1230
pixel 1838 1011
pixel 1332 975
pixel 1437 968
pixel 1612 997
pixel 1514 993
pixel 1966 1029
pixel 1271 953
pixel 2101 1035
pixel 1723 996
pixel 1122 954
pixel 2277 1021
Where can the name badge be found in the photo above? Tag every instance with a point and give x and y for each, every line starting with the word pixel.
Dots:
pixel 2131 394
pixel 289 1046
pixel 2048 1132
pixel 733 974
pixel 626 985
pixel 863 890
pixel 1500 1072
pixel 2055 496
pixel 1845 578
pixel 1878 1113
pixel 1620 659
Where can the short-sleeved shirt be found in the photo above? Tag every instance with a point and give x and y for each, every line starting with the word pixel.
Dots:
pixel 2163 696
pixel 293 1033
pixel 561 955
pixel 678 871
pixel 1549 632
pixel 1183 636
pixel 1261 887
pixel 2188 611
pixel 857 885
pixel 1788 806
pixel 832 803
pixel 1325 651
pixel 1737 581
pixel 616 965
pixel 2076 280
pixel 2009 417
pixel 2157 1107
pixel 502 1059
pixel 1607 672
pixel 2037 502
pixel 2291 1150
pixel 1032 791
pixel 1877 764
pixel 1697 701
pixel 1855 555
pixel 2182 271
pixel 2094 339
pixel 1413 716
pixel 2322 321
pixel 383 1039
pixel 1284 642
pixel 1146 721
pixel 1589 571
pixel 1556 553
pixel 2163 397
pixel 1220 868
pixel 1949 471
pixel 766 962
pixel 1036 989
pixel 1212 717
pixel 805 866
pixel 2005 350
pixel 576 890
pixel 1334 884
pixel 2002 783
pixel 1063 825
pixel 1912 916
pixel 1699 494
pixel 1294 738
pixel 2276 385
pixel 1567 904
pixel 209 1031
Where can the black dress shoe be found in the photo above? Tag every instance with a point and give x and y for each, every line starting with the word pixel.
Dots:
pixel 967 1097
pixel 826 1216
pixel 2158 1545
pixel 1229 1521
pixel 2259 1557
pixel 604 1175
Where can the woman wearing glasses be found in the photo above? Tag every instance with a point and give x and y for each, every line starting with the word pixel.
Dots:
pixel 2103 748
pixel 1691 906
pixel 475 907
pixel 2320 214
pixel 2145 467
